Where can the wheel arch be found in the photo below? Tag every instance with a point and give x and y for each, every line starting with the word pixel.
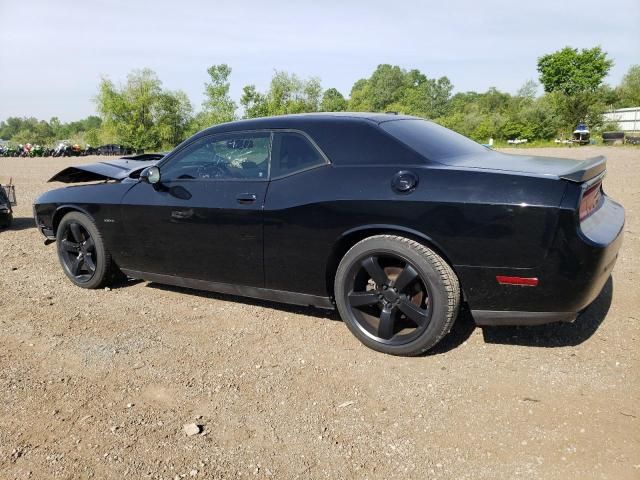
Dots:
pixel 62 210
pixel 349 238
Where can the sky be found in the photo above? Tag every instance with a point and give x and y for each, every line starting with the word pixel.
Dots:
pixel 54 53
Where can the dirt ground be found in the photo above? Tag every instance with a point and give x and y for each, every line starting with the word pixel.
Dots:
pixel 98 384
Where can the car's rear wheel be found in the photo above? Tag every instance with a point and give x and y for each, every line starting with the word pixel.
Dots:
pixel 82 253
pixel 396 295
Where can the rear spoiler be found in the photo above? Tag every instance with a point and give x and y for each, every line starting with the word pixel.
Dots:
pixel 586 170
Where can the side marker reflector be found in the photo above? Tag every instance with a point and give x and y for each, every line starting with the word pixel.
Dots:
pixel 521 281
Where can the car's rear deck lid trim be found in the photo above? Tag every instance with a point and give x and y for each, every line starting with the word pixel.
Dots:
pixel 586 170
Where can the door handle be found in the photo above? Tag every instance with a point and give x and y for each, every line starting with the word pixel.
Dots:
pixel 245 198
pixel 182 214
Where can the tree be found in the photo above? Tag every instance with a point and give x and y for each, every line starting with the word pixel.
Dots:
pixel 571 72
pixel 391 88
pixel 128 111
pixel 287 94
pixel 332 101
pixel 32 130
pixel 575 76
pixel 92 137
pixel 360 99
pixel 528 90
pixel 174 116
pixel 56 125
pixel 423 97
pixel 539 116
pixel 142 115
pixel 12 125
pixel 217 107
pixel 290 94
pixel 386 86
pixel 253 102
pixel 629 89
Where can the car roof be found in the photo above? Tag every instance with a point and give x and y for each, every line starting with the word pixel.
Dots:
pixel 296 120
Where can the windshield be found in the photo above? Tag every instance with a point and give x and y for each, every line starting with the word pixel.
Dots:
pixel 431 140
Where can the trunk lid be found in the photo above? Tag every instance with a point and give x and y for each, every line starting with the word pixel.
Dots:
pixel 572 170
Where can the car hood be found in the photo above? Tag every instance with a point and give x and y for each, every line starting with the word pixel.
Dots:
pixel 568 169
pixel 101 171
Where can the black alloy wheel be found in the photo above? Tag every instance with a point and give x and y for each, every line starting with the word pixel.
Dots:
pixel 82 254
pixel 78 252
pixel 396 295
pixel 388 299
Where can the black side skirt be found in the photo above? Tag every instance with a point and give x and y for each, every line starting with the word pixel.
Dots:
pixel 240 290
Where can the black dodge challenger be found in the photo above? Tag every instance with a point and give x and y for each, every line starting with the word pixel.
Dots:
pixel 394 220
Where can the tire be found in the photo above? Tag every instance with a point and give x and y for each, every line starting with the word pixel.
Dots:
pixel 409 306
pixel 95 267
pixel 6 220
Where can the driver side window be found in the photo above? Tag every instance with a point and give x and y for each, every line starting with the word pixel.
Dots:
pixel 240 156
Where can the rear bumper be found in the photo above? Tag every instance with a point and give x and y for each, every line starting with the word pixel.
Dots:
pixel 485 318
pixel 577 267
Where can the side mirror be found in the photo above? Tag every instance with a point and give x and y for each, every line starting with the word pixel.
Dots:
pixel 150 175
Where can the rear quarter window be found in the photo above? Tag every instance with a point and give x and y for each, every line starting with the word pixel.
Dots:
pixel 431 140
pixel 361 143
pixel 293 153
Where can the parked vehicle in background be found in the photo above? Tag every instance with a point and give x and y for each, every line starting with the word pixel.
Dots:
pixel 14 151
pixel 60 148
pixel 394 220
pixel 112 149
pixel 581 135
pixel 89 150
pixel 7 201
pixel 36 151
pixel 613 138
pixel 24 150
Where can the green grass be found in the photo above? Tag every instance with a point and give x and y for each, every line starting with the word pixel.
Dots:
pixel 552 144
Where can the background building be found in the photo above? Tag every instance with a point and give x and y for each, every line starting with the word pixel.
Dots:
pixel 628 119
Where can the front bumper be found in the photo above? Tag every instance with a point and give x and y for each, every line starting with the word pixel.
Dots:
pixel 47 232
pixel 43 216
pixel 50 237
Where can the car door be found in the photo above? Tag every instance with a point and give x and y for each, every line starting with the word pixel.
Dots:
pixel 298 213
pixel 204 219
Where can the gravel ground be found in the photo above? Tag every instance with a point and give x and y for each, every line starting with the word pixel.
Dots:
pixel 100 384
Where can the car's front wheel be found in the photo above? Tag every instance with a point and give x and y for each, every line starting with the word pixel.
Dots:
pixel 396 295
pixel 82 253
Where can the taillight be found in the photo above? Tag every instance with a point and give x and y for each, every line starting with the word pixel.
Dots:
pixel 590 200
